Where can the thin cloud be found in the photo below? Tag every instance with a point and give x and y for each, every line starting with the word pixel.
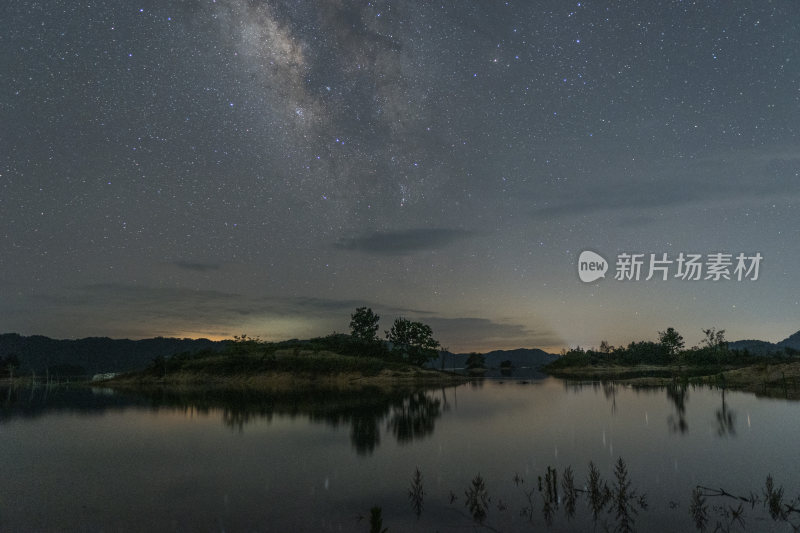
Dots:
pixel 636 221
pixel 403 242
pixel 481 333
pixel 197 266
pixel 708 181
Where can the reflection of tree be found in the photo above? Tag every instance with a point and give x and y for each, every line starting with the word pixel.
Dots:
pixel 365 433
pixel 678 395
pixel 8 397
pixel 410 414
pixel 610 392
pixel 445 403
pixel 237 417
pixel 726 419
pixel 414 417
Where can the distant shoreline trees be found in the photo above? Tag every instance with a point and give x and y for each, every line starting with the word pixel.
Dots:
pixel 670 349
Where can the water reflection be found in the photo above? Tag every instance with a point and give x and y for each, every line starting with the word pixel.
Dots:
pixel 370 414
pixel 414 417
pixel 38 400
pixel 8 397
pixel 678 395
pixel 406 414
pixel 289 455
pixel 610 392
pixel 726 419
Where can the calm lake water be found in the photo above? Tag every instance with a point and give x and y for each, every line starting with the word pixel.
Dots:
pixel 92 460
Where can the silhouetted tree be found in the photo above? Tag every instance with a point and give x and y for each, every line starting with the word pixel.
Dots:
pixel 672 341
pixel 364 325
pixel 413 341
pixel 642 352
pixel 476 360
pixel 715 342
pixel 714 339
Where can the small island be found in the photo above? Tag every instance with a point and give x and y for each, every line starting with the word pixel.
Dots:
pixel 716 362
pixel 336 361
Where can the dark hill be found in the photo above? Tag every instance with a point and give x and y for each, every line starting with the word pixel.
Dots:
pixel 757 347
pixel 793 341
pixel 520 358
pixel 93 354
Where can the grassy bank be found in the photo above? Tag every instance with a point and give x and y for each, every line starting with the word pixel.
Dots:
pixel 777 379
pixel 264 367
pixel 276 381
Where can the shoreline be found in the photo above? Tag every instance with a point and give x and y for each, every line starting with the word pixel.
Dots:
pixel 288 381
pixel 773 379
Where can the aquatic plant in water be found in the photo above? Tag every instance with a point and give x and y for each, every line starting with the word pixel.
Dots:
pixel 416 493
pixel 620 500
pixel 477 499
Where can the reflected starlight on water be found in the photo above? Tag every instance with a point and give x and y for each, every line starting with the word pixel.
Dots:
pixel 360 448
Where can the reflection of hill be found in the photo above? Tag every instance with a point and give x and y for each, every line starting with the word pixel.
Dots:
pixel 406 414
pixel 42 400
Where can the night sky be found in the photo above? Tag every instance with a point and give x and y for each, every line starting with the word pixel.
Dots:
pixel 209 168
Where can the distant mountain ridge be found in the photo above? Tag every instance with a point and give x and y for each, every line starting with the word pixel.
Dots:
pixel 764 347
pixel 520 358
pixel 93 355
pixel 792 341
